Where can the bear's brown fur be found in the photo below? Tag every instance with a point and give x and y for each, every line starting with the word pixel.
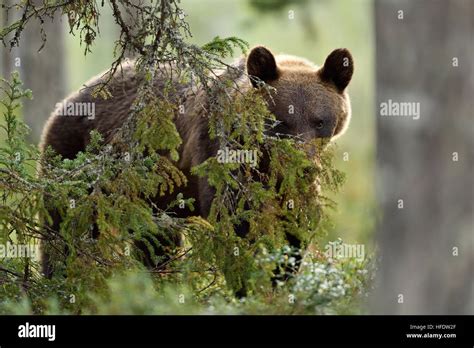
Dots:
pixel 317 97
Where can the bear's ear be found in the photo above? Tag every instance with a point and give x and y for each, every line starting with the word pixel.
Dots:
pixel 262 65
pixel 338 68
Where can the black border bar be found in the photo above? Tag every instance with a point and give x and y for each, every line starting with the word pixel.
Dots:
pixel 241 330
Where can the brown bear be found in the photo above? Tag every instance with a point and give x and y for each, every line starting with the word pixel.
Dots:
pixel 316 96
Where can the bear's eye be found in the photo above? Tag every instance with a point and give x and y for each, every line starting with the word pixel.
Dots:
pixel 319 124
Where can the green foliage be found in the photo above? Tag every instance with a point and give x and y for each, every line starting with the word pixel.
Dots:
pixel 324 286
pixel 225 47
pixel 105 199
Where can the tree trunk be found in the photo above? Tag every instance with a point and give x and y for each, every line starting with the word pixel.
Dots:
pixel 425 165
pixel 8 55
pixel 42 71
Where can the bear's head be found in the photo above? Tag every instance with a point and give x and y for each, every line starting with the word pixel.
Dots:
pixel 309 102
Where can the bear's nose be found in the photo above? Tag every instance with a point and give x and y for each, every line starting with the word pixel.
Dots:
pixel 314 146
pixel 311 150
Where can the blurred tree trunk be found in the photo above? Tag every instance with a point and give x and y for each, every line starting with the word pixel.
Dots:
pixel 427 246
pixel 42 71
pixel 129 16
pixel 8 55
pixel 6 68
